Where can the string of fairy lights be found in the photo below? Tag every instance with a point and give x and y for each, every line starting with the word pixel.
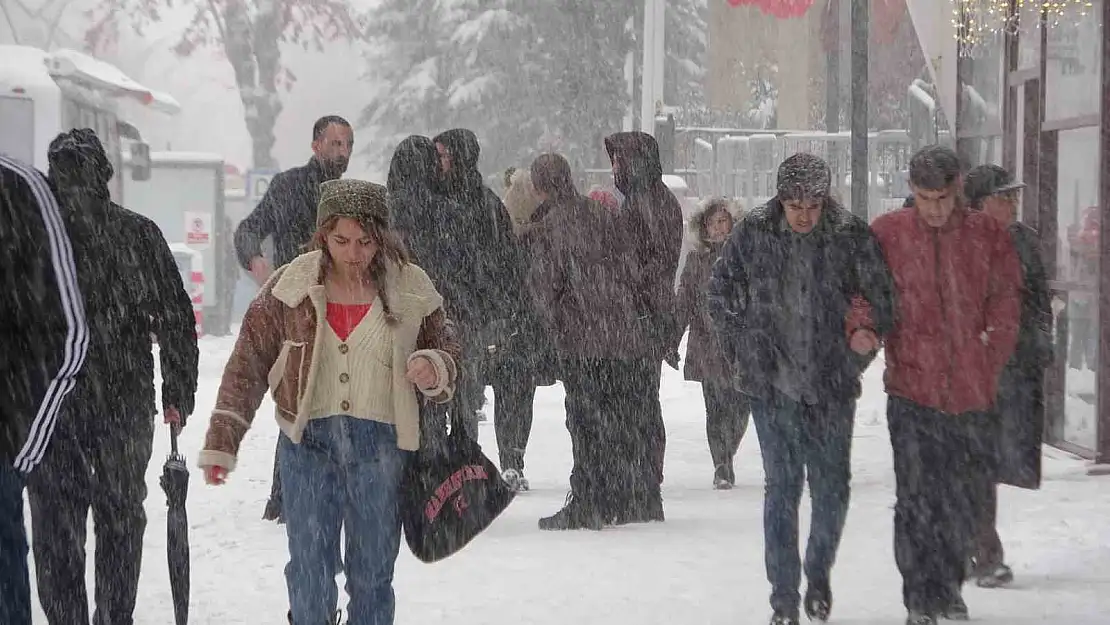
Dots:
pixel 978 20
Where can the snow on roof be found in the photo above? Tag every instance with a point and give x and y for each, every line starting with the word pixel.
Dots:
pixel 23 66
pixel 85 69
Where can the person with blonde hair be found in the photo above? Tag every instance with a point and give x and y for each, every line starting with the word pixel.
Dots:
pixel 521 199
pixel 348 338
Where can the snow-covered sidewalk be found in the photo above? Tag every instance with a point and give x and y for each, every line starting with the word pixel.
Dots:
pixel 704 565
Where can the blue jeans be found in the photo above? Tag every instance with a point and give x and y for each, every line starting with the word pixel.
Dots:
pixel 15 585
pixel 345 473
pixel 799 442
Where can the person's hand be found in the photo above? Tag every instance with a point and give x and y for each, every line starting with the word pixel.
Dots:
pixel 215 476
pixel 422 373
pixel 260 270
pixel 172 417
pixel 864 342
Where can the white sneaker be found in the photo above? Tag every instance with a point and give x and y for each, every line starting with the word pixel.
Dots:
pixel 515 479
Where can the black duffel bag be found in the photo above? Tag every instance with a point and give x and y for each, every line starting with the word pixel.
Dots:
pixel 450 493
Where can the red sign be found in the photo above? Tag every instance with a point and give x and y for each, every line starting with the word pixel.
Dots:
pixel 198 232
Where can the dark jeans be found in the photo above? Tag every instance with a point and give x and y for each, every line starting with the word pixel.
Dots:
pixel 800 442
pixel 726 419
pixel 942 472
pixel 607 402
pixel 15 583
pixel 103 468
pixel 344 475
pixel 512 416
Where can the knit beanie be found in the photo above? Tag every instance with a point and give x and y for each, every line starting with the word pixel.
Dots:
pixel 803 176
pixel 347 197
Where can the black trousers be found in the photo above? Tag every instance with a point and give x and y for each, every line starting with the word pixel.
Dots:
pixel 727 412
pixel 989 552
pixel 513 409
pixel 607 405
pixel 96 461
pixel 652 428
pixel 942 470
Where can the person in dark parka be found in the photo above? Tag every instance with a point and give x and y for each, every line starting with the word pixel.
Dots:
pixel 781 297
pixel 45 337
pixel 500 324
pixel 651 218
pixel 581 276
pixel 1020 405
pixel 132 290
pixel 727 408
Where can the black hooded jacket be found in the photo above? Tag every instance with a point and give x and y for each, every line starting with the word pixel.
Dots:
pixel 652 219
pixel 426 221
pixel 482 237
pixel 42 318
pixel 132 289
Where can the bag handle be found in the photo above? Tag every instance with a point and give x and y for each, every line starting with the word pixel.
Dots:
pixel 455 419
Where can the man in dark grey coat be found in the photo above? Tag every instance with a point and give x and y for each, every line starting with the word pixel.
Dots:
pixel 288 214
pixel 781 298
pixel 1017 428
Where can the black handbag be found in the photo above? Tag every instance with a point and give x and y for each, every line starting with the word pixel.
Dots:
pixel 450 494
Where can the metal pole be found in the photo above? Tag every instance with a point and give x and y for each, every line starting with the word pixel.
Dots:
pixel 630 80
pixel 832 74
pixel 647 71
pixel 860 177
pixel 1102 457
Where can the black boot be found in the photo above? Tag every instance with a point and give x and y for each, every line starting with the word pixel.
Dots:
pixel 818 601
pixel 575 515
pixel 273 511
pixel 783 618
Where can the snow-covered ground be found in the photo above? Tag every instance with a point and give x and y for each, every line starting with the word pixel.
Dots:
pixel 704 565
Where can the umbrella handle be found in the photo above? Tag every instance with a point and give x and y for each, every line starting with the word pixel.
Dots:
pixel 173 439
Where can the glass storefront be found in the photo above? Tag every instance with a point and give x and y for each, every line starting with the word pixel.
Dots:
pixel 1077 256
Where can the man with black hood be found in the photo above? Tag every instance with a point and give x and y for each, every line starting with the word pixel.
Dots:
pixel 499 313
pixel 287 212
pixel 45 338
pixel 651 218
pixel 103 441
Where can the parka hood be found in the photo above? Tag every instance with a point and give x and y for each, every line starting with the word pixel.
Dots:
pixel 77 159
pixel 464 179
pixel 413 166
pixel 636 155
pixel 697 224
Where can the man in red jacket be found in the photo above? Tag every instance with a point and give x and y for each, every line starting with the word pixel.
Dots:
pixel 957 281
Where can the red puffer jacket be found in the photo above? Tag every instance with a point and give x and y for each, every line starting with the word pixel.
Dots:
pixel 957 308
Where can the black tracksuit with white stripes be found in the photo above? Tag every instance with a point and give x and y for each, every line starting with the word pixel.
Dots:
pixel 43 342
pixel 132 289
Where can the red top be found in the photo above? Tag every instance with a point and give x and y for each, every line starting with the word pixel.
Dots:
pixel 344 317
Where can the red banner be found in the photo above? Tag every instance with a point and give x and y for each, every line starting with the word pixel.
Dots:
pixel 779 8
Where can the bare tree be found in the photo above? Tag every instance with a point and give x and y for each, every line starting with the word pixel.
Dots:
pixel 250 34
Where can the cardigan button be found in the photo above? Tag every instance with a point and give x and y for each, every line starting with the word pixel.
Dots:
pixel 343 349
pixel 343 378
pixel 345 405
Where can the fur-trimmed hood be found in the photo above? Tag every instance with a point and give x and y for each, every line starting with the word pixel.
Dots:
pixel 695 228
